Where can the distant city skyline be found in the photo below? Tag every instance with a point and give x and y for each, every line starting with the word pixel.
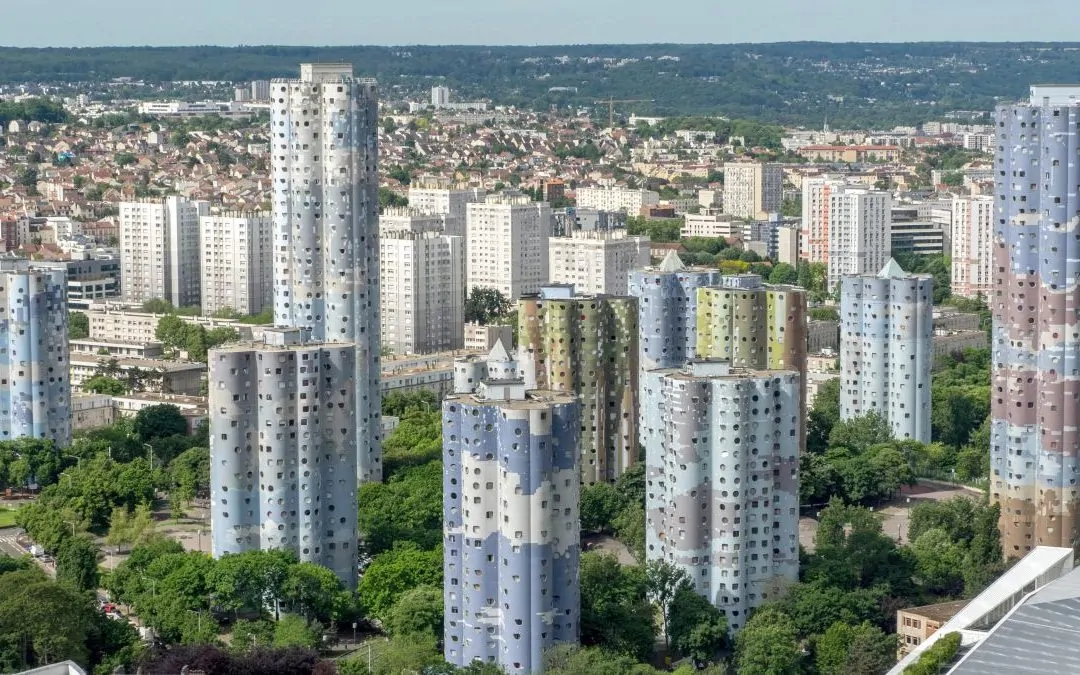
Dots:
pixel 480 22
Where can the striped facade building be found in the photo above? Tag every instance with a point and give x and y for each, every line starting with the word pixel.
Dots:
pixel 1035 382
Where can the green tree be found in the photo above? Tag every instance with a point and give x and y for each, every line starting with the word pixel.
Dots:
pixel 406 508
pixel 76 563
pixel 783 273
pixel 768 645
pixel 571 659
pixel 171 331
pixel 123 159
pixel 103 384
pixel 824 415
pixel 861 648
pixel 394 572
pixel 939 563
pixel 601 503
pixel 78 326
pixel 486 306
pixel 859 433
pixel 419 610
pixel 663 581
pixel 695 627
pixel 248 634
pixel 312 591
pixel 615 609
pixel 294 631
pixel 159 421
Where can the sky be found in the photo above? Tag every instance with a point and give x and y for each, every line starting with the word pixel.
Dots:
pixel 87 23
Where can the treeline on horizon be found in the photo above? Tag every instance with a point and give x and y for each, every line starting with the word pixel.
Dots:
pixel 853 84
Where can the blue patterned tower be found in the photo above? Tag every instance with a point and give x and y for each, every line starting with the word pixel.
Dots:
pixel 323 130
pixel 886 352
pixel 667 311
pixel 35 392
pixel 1035 383
pixel 511 483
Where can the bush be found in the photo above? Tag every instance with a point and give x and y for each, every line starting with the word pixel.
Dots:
pixel 940 654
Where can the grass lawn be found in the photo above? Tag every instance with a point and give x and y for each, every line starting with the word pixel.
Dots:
pixel 7 517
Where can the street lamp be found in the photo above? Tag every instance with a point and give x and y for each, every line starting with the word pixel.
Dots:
pixel 72 524
pixel 150 454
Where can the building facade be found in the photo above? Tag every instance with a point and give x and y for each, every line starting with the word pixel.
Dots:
pixel 587 345
pixel 35 389
pixel 159 250
pixel 283 450
pixel 814 232
pixel 1033 436
pixel 596 262
pixel 859 225
pixel 752 189
pixel 616 199
pixel 886 351
pixel 667 311
pixel 723 504
pixel 511 524
pixel 422 279
pixel 237 262
pixel 438 197
pixel 972 250
pixel 507 244
pixel 326 228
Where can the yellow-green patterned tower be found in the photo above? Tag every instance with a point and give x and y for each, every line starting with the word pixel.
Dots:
pixel 587 345
pixel 753 325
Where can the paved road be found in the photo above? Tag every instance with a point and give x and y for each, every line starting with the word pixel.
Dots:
pixel 8 544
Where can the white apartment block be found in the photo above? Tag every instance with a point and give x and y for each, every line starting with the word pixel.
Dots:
pixel 159 250
pixel 972 239
pixel 409 219
pixel 711 226
pixel 422 305
pixel 237 262
pixel 507 244
pixel 752 189
pixel 597 263
pixel 616 199
pixel 437 197
pixel 859 223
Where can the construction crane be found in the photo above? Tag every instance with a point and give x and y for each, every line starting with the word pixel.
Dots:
pixel 610 103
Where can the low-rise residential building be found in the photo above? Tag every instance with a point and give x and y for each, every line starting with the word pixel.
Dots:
pixel 481 338
pixel 168 377
pixel 616 199
pixel 915 624
pixel 711 226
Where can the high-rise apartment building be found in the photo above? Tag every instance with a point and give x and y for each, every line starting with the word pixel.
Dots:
pixel 260 90
pixel 159 250
pixel 814 232
pixel 859 231
pixel 237 262
pixel 752 189
pixel 972 253
pixel 283 450
pixel 35 389
pixel 422 285
pixel 755 326
pixel 440 96
pixel 587 345
pixel 436 196
pixel 616 199
pixel 596 262
pixel 511 524
pixel 326 274
pixel 722 481
pixel 507 244
pixel 886 353
pixel 667 311
pixel 1034 382
pixel 409 219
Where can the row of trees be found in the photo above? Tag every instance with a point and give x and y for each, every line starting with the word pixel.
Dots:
pixel 179 335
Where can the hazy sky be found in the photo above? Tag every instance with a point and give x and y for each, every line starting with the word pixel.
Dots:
pixel 350 22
